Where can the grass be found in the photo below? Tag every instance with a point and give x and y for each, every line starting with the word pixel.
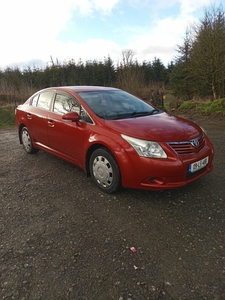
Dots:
pixel 7 116
pixel 208 108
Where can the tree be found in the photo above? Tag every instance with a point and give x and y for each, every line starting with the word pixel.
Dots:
pixel 181 76
pixel 208 53
pixel 158 71
pixel 200 64
pixel 130 76
pixel 128 57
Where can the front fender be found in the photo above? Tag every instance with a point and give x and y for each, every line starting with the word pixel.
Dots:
pixel 115 144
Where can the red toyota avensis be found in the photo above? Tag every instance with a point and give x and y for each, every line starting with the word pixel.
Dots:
pixel 116 138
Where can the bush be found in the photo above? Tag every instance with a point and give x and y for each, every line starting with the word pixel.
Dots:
pixel 7 116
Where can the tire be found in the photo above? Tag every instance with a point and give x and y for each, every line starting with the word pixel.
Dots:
pixel 105 171
pixel 27 141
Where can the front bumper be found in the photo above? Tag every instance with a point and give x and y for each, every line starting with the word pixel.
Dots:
pixel 162 174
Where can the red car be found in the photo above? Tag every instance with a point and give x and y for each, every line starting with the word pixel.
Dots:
pixel 116 138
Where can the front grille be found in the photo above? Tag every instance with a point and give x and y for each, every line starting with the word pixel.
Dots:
pixel 188 147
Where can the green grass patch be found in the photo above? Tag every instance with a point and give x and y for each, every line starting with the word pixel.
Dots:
pixel 206 108
pixel 7 116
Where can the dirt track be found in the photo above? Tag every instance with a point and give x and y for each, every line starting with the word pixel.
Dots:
pixel 61 238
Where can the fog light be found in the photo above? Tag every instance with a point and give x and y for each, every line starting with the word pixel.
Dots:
pixel 156 180
pixel 151 179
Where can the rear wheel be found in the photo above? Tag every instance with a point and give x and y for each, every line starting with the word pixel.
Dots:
pixel 105 171
pixel 27 141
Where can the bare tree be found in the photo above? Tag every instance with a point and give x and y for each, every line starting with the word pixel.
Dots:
pixel 130 77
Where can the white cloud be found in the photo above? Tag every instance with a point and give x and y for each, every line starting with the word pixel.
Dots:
pixel 43 17
pixel 190 6
pixel 29 30
pixel 99 49
pixel 103 5
pixel 186 5
pixel 160 40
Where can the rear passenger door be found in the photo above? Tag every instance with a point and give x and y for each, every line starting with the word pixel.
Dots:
pixel 37 117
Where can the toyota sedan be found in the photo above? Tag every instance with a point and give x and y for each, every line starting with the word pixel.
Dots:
pixel 116 138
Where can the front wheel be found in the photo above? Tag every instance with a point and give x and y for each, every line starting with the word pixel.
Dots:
pixel 27 141
pixel 105 171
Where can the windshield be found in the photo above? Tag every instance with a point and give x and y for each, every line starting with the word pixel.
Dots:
pixel 117 104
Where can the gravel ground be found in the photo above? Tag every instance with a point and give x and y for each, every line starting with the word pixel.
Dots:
pixel 62 238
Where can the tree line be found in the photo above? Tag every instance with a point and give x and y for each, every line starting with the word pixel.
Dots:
pixel 132 76
pixel 198 70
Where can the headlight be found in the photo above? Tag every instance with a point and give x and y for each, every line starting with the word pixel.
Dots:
pixel 145 148
pixel 205 132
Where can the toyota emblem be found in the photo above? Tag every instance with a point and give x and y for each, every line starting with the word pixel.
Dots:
pixel 195 143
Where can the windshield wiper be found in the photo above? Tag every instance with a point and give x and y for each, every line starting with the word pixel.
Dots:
pixel 154 111
pixel 122 115
pixel 140 113
pixel 132 114
pixel 143 113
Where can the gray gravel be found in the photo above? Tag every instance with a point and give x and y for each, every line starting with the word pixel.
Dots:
pixel 62 238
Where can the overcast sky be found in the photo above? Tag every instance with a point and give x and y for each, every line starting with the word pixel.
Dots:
pixel 32 32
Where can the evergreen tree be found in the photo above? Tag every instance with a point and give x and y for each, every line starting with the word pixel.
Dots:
pixel 181 75
pixel 208 54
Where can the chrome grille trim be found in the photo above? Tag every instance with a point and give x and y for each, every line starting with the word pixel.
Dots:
pixel 192 146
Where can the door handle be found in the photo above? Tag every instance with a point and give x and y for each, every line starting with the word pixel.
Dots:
pixel 51 123
pixel 29 116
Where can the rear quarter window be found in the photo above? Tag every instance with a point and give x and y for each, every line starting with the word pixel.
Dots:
pixel 35 100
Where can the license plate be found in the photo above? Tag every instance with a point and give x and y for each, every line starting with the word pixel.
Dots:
pixel 198 165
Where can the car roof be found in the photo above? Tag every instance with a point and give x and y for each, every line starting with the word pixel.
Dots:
pixel 81 88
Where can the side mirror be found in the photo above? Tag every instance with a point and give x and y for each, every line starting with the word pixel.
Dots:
pixel 71 116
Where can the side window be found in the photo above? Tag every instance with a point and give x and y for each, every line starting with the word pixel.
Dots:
pixel 44 100
pixel 65 103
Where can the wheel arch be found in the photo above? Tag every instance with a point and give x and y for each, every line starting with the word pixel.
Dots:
pixel 19 131
pixel 88 155
pixel 94 147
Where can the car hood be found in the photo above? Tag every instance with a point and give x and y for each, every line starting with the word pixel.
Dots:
pixel 160 127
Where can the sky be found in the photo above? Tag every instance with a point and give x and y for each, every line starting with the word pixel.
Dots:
pixel 35 33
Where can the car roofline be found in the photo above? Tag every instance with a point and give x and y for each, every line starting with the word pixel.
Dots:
pixel 80 88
